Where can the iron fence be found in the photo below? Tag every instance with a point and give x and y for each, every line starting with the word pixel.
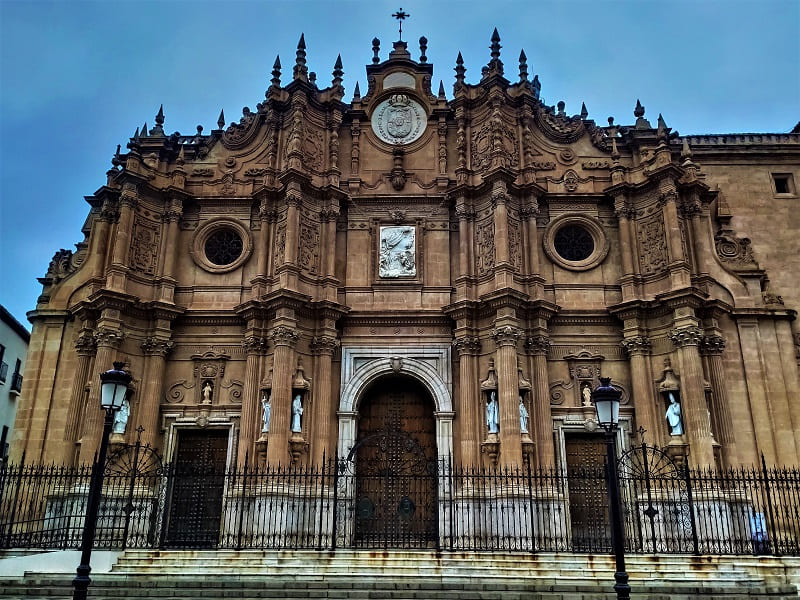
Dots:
pixel 666 509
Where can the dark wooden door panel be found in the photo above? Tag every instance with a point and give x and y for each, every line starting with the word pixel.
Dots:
pixel 588 493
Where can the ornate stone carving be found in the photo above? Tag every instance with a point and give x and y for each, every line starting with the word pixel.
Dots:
pixel 466 345
pixel 284 336
pixel 202 172
pixel 399 120
pixel 280 243
pixel 324 344
pixel 234 388
pixel 543 165
pixel 495 141
pixel 712 344
pixel 653 257
pixel 507 335
pixel 397 252
pixel 686 336
pixel 176 393
pixel 538 344
pixel 571 181
pixel 105 336
pixel 558 127
pixel 596 164
pixel 238 135
pixel 514 243
pixel 484 242
pixel 254 344
pixel 153 346
pixel 734 251
pixel 144 246
pixel 255 172
pixel 636 345
pixel 309 247
pixel 85 345
pixel 61 266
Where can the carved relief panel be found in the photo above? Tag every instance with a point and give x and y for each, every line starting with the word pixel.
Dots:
pixel 397 252
pixel 484 246
pixel 514 244
pixel 309 247
pixel 279 248
pixel 145 245
pixel 207 385
pixel 653 255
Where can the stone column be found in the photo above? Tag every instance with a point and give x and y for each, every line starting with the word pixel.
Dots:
pixel 108 341
pixel 250 420
pixel 506 337
pixel 170 245
pixel 284 339
pixel 679 266
pixel 783 330
pixel 324 411
pixel 467 405
pixel 85 348
pixel 99 252
pixel 626 247
pixel 499 199
pixel 330 217
pixel 712 347
pixel 539 346
pixel 694 410
pixel 262 251
pixel 149 406
pixel 638 348
pixel 122 242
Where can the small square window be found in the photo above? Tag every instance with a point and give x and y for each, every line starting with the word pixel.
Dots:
pixel 783 184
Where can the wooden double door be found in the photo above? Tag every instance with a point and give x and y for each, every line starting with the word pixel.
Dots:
pixel 588 493
pixel 396 467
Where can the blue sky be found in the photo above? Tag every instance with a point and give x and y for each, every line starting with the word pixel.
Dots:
pixel 77 77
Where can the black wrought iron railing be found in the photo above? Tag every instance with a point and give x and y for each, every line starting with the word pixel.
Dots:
pixel 16 382
pixel 3 371
pixel 754 510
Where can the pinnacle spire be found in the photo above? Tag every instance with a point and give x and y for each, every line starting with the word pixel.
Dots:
pixel 337 72
pixel 423 47
pixel 158 129
pixel 143 132
pixel 357 93
pixel 523 66
pixel 638 112
pixel 276 72
pixel 300 68
pixel 221 119
pixel 495 63
pixel 584 112
pixel 460 70
pixel 376 48
pixel 441 90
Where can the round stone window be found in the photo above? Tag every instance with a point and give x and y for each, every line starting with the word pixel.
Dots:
pixel 221 245
pixel 575 242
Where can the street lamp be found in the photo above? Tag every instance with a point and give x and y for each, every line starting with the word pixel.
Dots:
pixel 606 401
pixel 113 389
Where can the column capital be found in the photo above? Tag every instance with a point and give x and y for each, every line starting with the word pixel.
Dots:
pixel 639 344
pixel 108 337
pixel 324 344
pixel 499 193
pixel 686 336
pixel 507 335
pixel 86 345
pixel 130 195
pixel 467 345
pixel 154 346
pixel 712 344
pixel 109 212
pixel 284 336
pixel 538 344
pixel 253 344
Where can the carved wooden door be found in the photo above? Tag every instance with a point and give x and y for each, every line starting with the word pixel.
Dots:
pixel 198 481
pixel 396 467
pixel 588 493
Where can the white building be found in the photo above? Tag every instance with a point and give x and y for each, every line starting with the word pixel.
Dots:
pixel 14 340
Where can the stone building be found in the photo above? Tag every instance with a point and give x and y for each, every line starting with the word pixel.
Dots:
pixel 13 346
pixel 453 268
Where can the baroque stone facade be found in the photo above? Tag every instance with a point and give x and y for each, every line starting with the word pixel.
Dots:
pixel 489 246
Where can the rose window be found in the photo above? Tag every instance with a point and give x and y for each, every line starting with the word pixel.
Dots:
pixel 573 242
pixel 223 247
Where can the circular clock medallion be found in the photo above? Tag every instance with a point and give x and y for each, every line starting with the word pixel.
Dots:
pixel 399 120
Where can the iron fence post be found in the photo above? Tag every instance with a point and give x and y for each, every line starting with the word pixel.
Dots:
pixel 770 512
pixel 335 525
pixel 690 500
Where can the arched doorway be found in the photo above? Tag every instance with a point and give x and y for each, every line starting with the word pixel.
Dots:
pixel 395 464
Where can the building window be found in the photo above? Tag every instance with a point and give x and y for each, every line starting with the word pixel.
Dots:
pixel 221 245
pixel 3 365
pixel 576 242
pixel 16 379
pixel 783 184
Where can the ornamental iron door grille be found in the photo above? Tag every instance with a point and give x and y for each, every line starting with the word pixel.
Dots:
pixel 395 467
pixel 588 493
pixel 198 482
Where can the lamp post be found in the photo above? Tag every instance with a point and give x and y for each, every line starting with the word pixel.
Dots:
pixel 606 401
pixel 113 389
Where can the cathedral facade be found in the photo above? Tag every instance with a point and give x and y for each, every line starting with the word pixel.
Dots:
pixel 456 269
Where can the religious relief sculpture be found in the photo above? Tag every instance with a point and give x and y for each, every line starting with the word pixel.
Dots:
pixel 674 415
pixel 266 413
pixel 397 252
pixel 492 414
pixel 523 417
pixel 121 418
pixel 586 394
pixel 297 412
pixel 399 120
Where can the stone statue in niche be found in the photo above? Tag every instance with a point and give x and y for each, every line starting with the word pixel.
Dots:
pixel 397 252
pixel 297 411
pixel 492 414
pixel 586 394
pixel 266 413
pixel 523 417
pixel 121 418
pixel 674 415
pixel 207 391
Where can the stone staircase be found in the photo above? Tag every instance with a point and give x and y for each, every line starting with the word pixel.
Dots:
pixel 406 575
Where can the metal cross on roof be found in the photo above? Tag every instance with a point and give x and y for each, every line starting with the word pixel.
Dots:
pixel 400 15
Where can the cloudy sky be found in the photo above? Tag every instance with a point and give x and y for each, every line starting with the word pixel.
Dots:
pixel 77 77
